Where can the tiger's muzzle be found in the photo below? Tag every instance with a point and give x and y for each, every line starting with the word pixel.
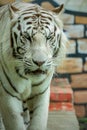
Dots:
pixel 41 57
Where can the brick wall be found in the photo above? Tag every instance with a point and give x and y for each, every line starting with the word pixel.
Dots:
pixel 2 2
pixel 75 66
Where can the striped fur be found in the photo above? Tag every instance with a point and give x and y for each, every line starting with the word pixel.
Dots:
pixel 31 46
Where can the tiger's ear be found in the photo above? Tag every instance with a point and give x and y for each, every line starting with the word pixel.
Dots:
pixel 59 10
pixel 13 11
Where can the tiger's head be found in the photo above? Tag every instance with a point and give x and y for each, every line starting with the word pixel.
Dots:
pixel 37 39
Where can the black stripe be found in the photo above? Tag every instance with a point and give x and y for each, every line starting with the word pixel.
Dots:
pixel 28 12
pixel 55 28
pixel 56 52
pixel 25 109
pixel 27 123
pixel 43 22
pixel 29 23
pixel 9 80
pixel 38 94
pixel 22 41
pixel 29 28
pixel 46 17
pixel 19 27
pixel 46 26
pixel 44 12
pixel 11 41
pixel 31 111
pixel 59 40
pixel 8 91
pixel 17 71
pixel 15 35
pixel 5 72
pixel 2 56
pixel 27 17
pixel 35 85
pixel 16 55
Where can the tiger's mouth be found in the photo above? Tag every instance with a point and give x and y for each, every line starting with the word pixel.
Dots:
pixel 39 72
pixel 36 72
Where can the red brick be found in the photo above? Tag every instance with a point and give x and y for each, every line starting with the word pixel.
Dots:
pixel 61 106
pixel 71 65
pixel 79 81
pixel 60 82
pixel 61 90
pixel 80 110
pixel 81 20
pixel 61 94
pixel 80 97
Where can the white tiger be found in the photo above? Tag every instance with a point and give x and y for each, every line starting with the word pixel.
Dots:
pixel 32 44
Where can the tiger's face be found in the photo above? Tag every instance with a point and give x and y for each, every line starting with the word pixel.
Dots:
pixel 36 40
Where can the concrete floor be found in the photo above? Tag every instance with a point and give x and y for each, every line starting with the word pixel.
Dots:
pixel 62 120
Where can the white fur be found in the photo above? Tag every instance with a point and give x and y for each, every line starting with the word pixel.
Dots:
pixel 11 107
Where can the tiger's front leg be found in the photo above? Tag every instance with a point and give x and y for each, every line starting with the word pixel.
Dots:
pixel 38 106
pixel 11 111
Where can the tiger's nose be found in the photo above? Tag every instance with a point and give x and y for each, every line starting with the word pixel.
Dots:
pixel 39 63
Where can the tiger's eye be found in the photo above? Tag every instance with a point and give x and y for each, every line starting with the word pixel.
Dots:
pixel 20 50
pixel 26 36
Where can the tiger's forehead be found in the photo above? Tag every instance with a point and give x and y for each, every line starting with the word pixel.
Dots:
pixel 38 11
pixel 36 18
